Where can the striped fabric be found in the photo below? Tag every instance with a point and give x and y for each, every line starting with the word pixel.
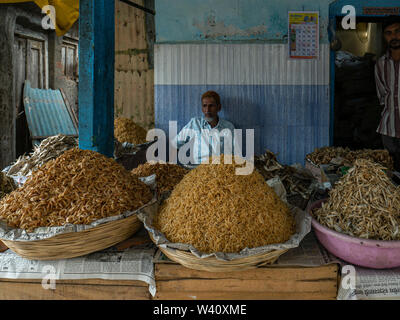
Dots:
pixel 387 75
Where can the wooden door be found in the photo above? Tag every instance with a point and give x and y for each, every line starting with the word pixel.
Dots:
pixel 69 59
pixel 30 63
pixel 19 71
pixel 35 63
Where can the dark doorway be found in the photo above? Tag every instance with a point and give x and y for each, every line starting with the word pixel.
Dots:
pixel 357 110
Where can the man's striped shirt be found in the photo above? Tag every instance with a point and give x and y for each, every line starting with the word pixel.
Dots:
pixel 387 76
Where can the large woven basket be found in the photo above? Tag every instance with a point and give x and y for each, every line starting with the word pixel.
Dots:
pixel 75 244
pixel 212 264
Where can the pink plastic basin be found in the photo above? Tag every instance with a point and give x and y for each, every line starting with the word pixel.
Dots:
pixel 362 252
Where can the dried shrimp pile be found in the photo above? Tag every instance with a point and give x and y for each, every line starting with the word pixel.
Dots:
pixel 50 148
pixel 326 154
pixel 78 187
pixel 364 204
pixel 216 210
pixel 7 185
pixel 125 130
pixel 168 175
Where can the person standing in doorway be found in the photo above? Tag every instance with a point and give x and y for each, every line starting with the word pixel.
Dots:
pixel 387 76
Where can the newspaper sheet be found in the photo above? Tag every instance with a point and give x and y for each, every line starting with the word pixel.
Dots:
pixel 131 264
pixel 309 253
pixel 368 284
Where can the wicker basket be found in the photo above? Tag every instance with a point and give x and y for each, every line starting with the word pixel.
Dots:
pixel 212 264
pixel 75 244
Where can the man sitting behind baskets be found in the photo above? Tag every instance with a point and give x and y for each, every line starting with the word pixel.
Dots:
pixel 208 135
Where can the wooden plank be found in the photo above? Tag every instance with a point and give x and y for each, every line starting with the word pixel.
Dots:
pixel 178 282
pixel 134 74
pixel 35 291
pixel 176 271
pixel 221 295
pixel 70 110
pixel 101 282
pixel 238 285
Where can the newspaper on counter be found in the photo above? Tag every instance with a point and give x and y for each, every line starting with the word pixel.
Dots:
pixel 359 283
pixel 309 253
pixel 303 227
pixel 131 264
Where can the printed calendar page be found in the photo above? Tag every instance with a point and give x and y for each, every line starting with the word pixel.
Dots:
pixel 303 35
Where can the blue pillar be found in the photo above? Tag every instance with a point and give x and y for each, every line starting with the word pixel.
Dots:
pixel 96 75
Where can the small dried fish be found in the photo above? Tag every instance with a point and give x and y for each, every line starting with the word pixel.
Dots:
pixel 49 149
pixel 364 203
pixel 7 185
pixel 295 184
pixel 326 155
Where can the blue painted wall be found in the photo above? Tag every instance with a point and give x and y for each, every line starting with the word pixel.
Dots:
pixel 231 20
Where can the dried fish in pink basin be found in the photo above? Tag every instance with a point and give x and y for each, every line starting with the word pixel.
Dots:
pixel 364 204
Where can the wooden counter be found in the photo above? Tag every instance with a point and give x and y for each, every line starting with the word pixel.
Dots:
pixel 88 289
pixel 177 282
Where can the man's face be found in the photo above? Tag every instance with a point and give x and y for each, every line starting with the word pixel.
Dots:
pixel 210 109
pixel 392 36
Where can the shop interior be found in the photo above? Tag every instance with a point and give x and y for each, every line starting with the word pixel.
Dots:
pixel 356 108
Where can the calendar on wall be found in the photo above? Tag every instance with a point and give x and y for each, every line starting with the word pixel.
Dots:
pixel 303 34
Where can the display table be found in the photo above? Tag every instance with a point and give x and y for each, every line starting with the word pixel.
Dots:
pixel 173 281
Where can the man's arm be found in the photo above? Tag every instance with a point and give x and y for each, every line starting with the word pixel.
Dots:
pixel 183 136
pixel 380 84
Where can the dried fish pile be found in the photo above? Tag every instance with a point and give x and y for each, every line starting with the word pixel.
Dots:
pixel 364 204
pixel 168 175
pixel 268 161
pixel 7 185
pixel 126 130
pixel 269 167
pixel 216 210
pixel 326 154
pixel 78 187
pixel 379 156
pixel 49 149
